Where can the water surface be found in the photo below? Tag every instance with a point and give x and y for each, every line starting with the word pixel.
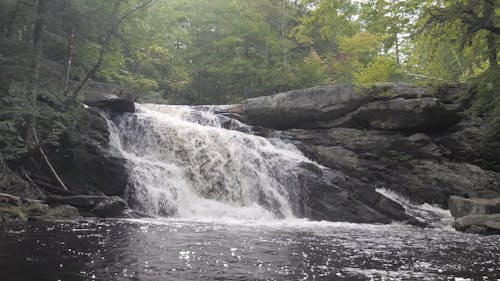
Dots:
pixel 238 250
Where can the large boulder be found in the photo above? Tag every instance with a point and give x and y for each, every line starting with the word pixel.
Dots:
pixel 85 162
pixel 386 106
pixel 480 224
pixel 298 108
pixel 461 207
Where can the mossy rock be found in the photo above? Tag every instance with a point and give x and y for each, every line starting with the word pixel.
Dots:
pixel 14 208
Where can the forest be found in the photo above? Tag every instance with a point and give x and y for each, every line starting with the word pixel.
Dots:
pixel 224 51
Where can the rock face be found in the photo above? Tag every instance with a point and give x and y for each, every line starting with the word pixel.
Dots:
pixel 325 194
pixel 84 161
pixel 409 139
pixel 476 215
pixel 387 107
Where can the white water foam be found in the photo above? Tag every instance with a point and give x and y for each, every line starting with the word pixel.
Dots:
pixel 183 163
pixel 433 215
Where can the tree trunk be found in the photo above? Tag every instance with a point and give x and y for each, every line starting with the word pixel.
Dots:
pixel 492 50
pixel 10 24
pixel 282 25
pixel 67 71
pixel 397 50
pixel 39 11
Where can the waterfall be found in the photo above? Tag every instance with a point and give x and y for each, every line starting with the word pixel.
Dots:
pixel 184 163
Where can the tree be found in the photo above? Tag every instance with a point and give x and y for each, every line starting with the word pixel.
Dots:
pixel 477 20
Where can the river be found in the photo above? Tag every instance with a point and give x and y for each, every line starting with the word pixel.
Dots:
pixel 174 249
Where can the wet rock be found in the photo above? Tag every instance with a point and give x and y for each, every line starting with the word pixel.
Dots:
pixel 112 207
pixel 480 224
pixel 100 206
pixel 460 207
pixel 325 194
pixel 414 166
pixel 84 161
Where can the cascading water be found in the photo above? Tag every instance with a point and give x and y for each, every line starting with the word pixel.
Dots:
pixel 183 163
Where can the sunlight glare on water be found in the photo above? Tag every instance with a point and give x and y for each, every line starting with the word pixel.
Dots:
pixel 176 249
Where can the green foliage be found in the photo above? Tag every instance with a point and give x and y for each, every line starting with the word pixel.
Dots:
pixel 380 69
pixel 485 104
pixel 224 51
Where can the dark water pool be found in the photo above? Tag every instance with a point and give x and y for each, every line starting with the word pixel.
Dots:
pixel 195 250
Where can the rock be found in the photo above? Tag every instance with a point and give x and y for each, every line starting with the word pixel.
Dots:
pixel 325 194
pixel 298 108
pixel 480 224
pixel 113 207
pixel 114 105
pixel 63 212
pixel 460 207
pixel 84 161
pixel 100 206
pixel 413 166
pixel 426 114
pixel 14 208
pixel 389 106
pixel 11 183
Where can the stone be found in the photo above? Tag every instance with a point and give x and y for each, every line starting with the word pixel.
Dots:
pixel 427 114
pixel 419 170
pixel 85 163
pixel 298 108
pixel 325 194
pixel 12 183
pixel 480 224
pixel 100 206
pixel 389 106
pixel 114 105
pixel 14 208
pixel 461 207
pixel 63 212
pixel 113 207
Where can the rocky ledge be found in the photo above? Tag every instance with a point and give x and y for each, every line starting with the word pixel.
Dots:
pixel 413 140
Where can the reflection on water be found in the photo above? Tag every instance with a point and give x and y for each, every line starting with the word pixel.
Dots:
pixel 286 250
